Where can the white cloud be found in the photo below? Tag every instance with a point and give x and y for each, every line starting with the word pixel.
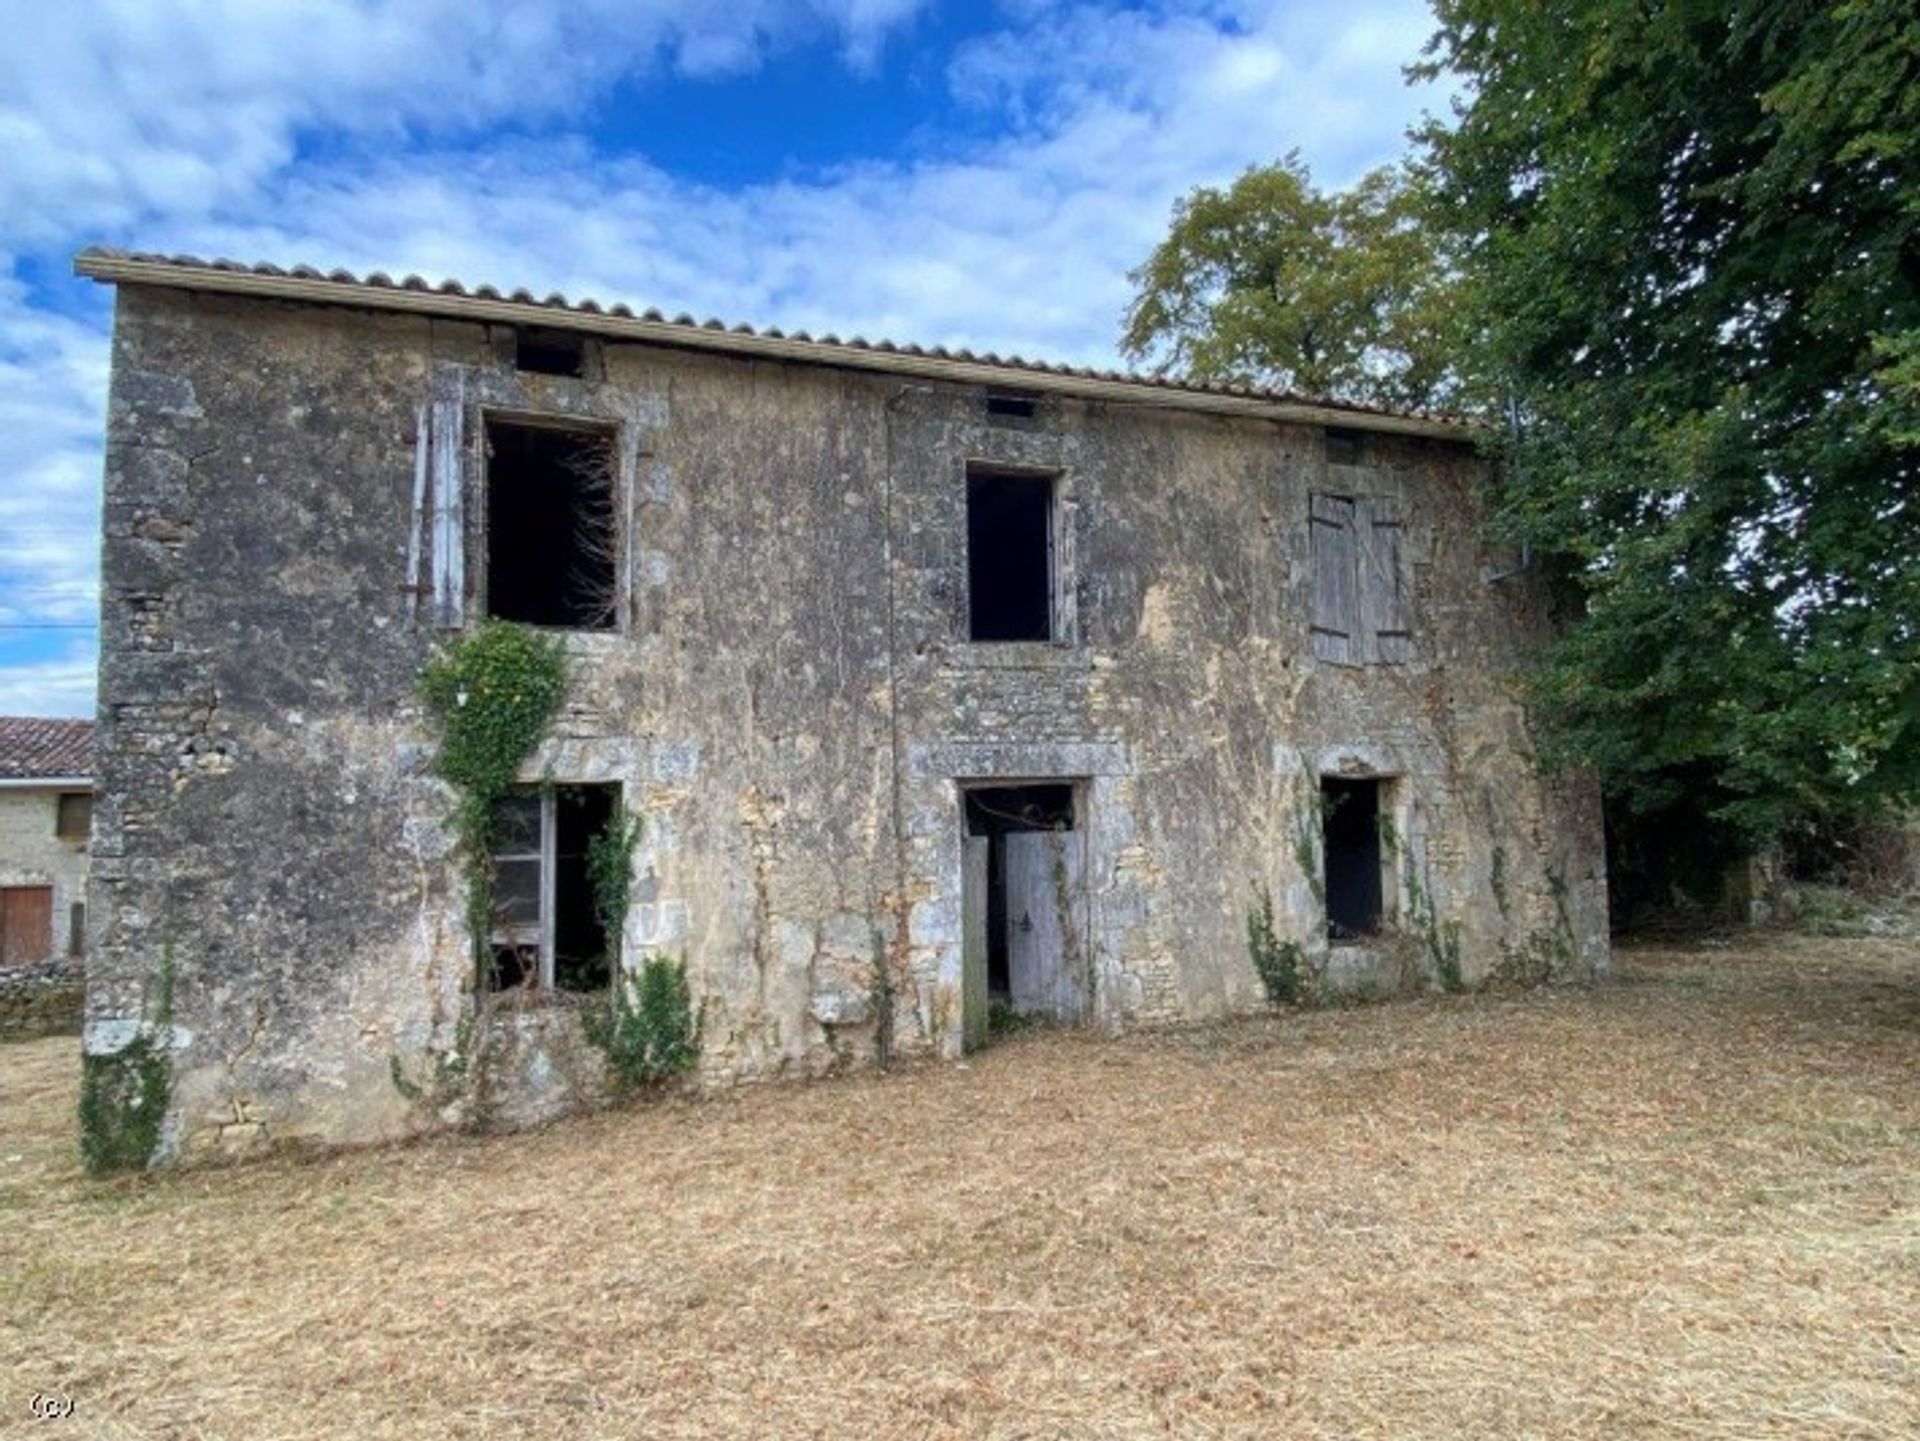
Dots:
pixel 122 112
pixel 63 686
pixel 1015 243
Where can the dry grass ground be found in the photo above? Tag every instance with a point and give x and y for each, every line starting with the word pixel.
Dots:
pixel 1687 1203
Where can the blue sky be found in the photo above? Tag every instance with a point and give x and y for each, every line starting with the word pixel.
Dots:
pixel 964 174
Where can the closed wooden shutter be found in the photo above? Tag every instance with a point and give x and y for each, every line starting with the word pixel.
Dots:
pixel 1386 610
pixel 1336 620
pixel 26 924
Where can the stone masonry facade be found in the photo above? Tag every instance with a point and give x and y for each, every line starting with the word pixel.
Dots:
pixel 787 696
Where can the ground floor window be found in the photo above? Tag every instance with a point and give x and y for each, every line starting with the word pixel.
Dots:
pixel 546 932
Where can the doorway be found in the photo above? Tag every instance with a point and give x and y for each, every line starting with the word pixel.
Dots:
pixel 1024 913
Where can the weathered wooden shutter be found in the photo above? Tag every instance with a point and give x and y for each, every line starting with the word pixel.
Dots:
pixel 1386 609
pixel 1336 622
pixel 445 442
pixel 973 941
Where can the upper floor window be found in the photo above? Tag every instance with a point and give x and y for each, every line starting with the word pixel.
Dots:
pixel 1362 594
pixel 73 821
pixel 1012 555
pixel 553 545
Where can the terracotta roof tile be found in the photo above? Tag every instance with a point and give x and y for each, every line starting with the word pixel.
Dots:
pixel 96 260
pixel 35 748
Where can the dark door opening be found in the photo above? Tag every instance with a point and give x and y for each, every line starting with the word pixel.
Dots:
pixel 1009 555
pixel 552 547
pixel 1351 812
pixel 994 814
pixel 1023 905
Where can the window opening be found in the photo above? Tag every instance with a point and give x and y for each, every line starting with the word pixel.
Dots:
pixel 1362 589
pixel 546 930
pixel 1010 556
pixel 550 352
pixel 1344 447
pixel 1350 811
pixel 1012 404
pixel 74 818
pixel 552 545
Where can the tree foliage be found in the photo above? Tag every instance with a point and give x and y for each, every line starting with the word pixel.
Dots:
pixel 1688 245
pixel 1276 283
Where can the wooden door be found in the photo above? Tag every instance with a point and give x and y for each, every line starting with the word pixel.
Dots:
pixel 973 940
pixel 26 924
pixel 1046 929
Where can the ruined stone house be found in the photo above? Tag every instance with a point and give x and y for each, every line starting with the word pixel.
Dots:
pixel 942 682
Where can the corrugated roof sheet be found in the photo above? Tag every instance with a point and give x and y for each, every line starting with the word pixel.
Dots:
pixel 39 748
pixel 347 288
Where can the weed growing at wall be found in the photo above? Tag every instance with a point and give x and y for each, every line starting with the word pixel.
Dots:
pixel 124 1094
pixel 492 693
pixel 1281 965
pixel 610 873
pixel 1440 938
pixel 647 1035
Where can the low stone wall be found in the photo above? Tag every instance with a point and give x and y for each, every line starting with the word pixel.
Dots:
pixel 42 1000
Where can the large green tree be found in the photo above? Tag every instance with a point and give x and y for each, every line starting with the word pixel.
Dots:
pixel 1687 230
pixel 1274 282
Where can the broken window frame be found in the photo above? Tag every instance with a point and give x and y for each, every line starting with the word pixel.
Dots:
pixel 1060 608
pixel 619 511
pixel 539 934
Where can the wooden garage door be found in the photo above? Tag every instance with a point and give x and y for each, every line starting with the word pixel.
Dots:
pixel 26 924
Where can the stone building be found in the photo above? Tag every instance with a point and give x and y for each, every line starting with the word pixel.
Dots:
pixel 46 805
pixel 940 682
pixel 46 801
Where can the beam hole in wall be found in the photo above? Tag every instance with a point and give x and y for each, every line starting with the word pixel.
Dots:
pixel 550 352
pixel 1350 815
pixel 1012 404
pixel 546 932
pixel 1344 447
pixel 1010 555
pixel 552 544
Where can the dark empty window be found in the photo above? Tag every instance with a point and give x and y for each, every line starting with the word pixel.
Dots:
pixel 550 352
pixel 1351 816
pixel 546 932
pixel 1009 555
pixel 552 545
pixel 74 819
pixel 1344 447
pixel 1012 404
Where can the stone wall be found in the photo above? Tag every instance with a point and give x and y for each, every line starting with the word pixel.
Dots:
pixel 789 702
pixel 42 1000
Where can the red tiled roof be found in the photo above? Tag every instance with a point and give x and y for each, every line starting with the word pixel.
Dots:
pixel 37 748
pixel 378 290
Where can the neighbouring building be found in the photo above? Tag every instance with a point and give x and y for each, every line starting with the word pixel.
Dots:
pixel 940 682
pixel 46 806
